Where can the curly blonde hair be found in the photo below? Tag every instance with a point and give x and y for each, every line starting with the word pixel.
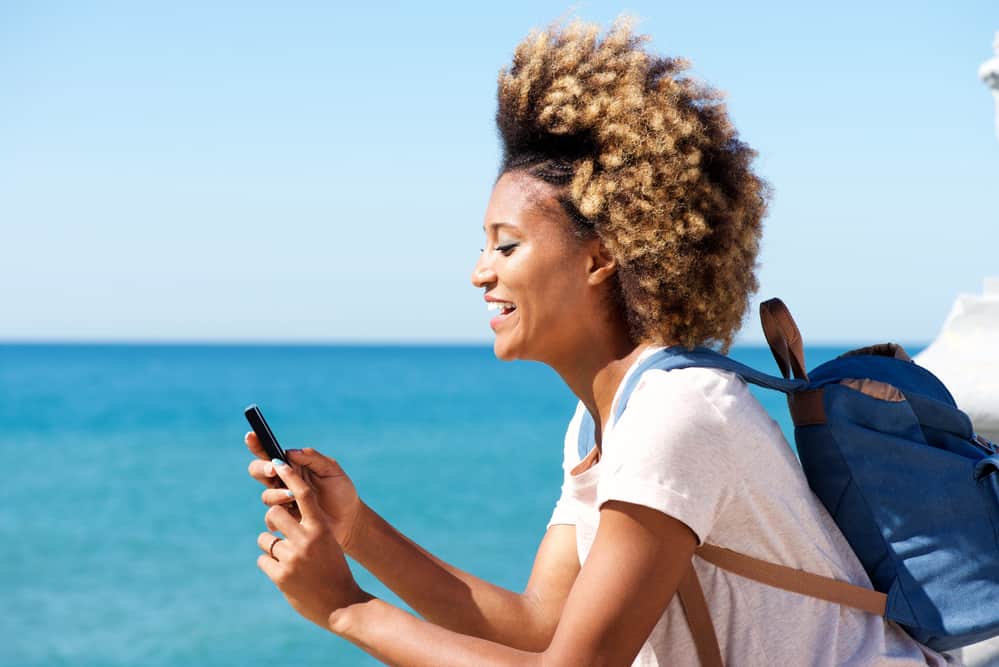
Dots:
pixel 648 160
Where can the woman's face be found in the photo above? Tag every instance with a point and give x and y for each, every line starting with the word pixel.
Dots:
pixel 535 273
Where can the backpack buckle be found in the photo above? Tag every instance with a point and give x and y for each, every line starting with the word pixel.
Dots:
pixel 985 444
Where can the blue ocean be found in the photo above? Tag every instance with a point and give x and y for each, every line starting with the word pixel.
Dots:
pixel 130 524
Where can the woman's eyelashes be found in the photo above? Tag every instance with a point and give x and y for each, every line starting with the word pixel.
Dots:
pixel 505 248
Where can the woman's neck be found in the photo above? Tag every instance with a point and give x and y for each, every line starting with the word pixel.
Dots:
pixel 594 374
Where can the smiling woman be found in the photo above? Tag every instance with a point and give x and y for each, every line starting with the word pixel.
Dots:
pixel 626 218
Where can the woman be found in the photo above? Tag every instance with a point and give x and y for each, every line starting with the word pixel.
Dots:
pixel 625 218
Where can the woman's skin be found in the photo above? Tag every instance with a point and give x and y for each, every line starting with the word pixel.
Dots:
pixel 599 614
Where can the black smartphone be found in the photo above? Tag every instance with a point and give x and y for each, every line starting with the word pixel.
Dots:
pixel 264 433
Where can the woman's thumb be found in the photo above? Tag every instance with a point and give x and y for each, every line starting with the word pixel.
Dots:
pixel 318 465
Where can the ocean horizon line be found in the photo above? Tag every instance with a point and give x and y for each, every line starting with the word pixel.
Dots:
pixel 358 343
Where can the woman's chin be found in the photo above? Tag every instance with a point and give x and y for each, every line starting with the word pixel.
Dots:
pixel 504 343
pixel 502 351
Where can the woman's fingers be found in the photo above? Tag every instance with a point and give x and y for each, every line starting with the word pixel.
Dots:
pixel 305 496
pixel 317 464
pixel 260 468
pixel 279 520
pixel 272 545
pixel 271 567
pixel 262 471
pixel 253 444
pixel 277 496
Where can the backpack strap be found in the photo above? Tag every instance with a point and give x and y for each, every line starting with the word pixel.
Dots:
pixel 784 338
pixel 796 581
pixel 674 358
pixel 695 605
pixel 695 608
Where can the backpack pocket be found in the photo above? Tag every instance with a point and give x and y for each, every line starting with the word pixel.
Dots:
pixel 944 426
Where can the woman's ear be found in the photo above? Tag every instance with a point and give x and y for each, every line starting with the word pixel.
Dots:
pixel 601 265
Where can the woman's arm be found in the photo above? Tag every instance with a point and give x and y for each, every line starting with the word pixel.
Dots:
pixel 464 603
pixel 631 574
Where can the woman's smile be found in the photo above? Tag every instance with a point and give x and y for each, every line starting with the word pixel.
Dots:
pixel 506 309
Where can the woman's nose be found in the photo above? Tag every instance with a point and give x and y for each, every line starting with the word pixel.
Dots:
pixel 482 273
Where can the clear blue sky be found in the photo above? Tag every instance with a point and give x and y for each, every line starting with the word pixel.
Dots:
pixel 293 171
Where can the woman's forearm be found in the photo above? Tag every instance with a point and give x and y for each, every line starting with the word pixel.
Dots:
pixel 447 596
pixel 398 638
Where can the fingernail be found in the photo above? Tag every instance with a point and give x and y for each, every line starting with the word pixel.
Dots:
pixel 289 493
pixel 278 462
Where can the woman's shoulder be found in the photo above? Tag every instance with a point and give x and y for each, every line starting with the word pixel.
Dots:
pixel 682 413
pixel 701 412
pixel 707 395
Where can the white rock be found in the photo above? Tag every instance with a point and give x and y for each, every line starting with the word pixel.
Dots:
pixel 966 357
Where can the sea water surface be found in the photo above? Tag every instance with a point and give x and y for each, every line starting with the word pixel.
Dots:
pixel 130 524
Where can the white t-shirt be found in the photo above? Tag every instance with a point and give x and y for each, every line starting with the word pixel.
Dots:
pixel 695 444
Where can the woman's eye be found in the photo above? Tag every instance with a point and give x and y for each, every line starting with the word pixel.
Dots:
pixel 506 248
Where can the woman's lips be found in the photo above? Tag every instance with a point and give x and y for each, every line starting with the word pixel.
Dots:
pixel 506 309
pixel 502 317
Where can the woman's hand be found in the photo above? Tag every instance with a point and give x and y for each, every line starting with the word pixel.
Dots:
pixel 307 564
pixel 335 492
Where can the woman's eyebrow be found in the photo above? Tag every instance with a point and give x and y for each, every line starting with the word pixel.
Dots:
pixel 499 224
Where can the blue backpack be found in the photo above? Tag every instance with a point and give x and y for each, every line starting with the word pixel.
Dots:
pixel 900 470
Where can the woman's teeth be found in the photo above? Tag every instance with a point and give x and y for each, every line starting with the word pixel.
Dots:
pixel 500 305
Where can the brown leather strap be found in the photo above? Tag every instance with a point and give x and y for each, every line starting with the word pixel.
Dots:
pixel 893 350
pixel 695 607
pixel 807 407
pixel 796 581
pixel 784 338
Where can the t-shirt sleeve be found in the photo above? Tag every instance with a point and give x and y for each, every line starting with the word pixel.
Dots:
pixel 566 507
pixel 670 448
